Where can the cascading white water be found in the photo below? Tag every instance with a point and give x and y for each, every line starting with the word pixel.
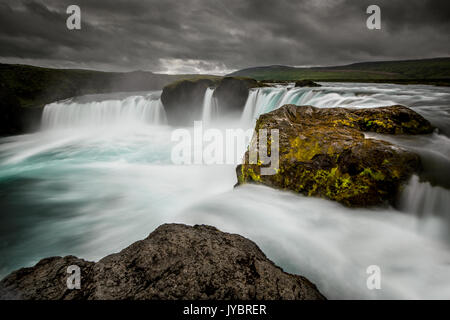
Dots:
pixel 422 198
pixel 93 192
pixel 260 101
pixel 130 111
pixel 210 108
pixel 249 108
pixel 263 100
pixel 430 204
pixel 419 198
pixel 425 200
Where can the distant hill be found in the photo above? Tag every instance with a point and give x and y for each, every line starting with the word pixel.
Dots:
pixel 409 71
pixel 35 86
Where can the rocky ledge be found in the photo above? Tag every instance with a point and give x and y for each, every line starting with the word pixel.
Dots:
pixel 306 83
pixel 174 262
pixel 324 153
pixel 183 100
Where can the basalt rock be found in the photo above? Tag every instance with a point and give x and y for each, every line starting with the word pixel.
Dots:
pixel 9 112
pixel 15 119
pixel 183 100
pixel 174 262
pixel 232 94
pixel 324 153
pixel 306 83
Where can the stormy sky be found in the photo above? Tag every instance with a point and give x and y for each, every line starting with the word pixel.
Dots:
pixel 219 36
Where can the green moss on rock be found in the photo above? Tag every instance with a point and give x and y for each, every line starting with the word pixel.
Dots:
pixel 324 153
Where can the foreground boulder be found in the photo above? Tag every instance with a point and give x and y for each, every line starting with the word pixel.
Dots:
pixel 324 153
pixel 174 262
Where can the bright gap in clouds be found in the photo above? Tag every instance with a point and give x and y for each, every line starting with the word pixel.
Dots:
pixel 192 66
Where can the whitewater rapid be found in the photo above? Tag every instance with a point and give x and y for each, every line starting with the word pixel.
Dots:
pixel 90 184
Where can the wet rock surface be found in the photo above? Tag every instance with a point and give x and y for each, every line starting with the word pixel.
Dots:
pixel 183 100
pixel 173 262
pixel 232 94
pixel 324 153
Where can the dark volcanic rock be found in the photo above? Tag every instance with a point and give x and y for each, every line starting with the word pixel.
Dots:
pixel 306 83
pixel 183 100
pixel 9 112
pixel 324 153
pixel 15 119
pixel 47 280
pixel 232 94
pixel 174 262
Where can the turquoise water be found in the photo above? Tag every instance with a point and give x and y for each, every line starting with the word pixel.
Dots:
pixel 91 188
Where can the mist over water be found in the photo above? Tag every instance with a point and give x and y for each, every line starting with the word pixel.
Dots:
pixel 99 176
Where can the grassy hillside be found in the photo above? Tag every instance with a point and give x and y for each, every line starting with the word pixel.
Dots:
pixel 413 71
pixel 438 68
pixel 35 86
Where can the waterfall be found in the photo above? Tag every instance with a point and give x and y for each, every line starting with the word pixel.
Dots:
pixel 109 188
pixel 130 111
pixel 429 204
pixel 249 108
pixel 423 199
pixel 263 100
pixel 210 108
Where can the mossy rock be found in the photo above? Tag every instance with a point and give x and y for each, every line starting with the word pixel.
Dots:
pixel 324 153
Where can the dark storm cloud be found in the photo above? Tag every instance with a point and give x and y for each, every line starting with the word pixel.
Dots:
pixel 219 35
